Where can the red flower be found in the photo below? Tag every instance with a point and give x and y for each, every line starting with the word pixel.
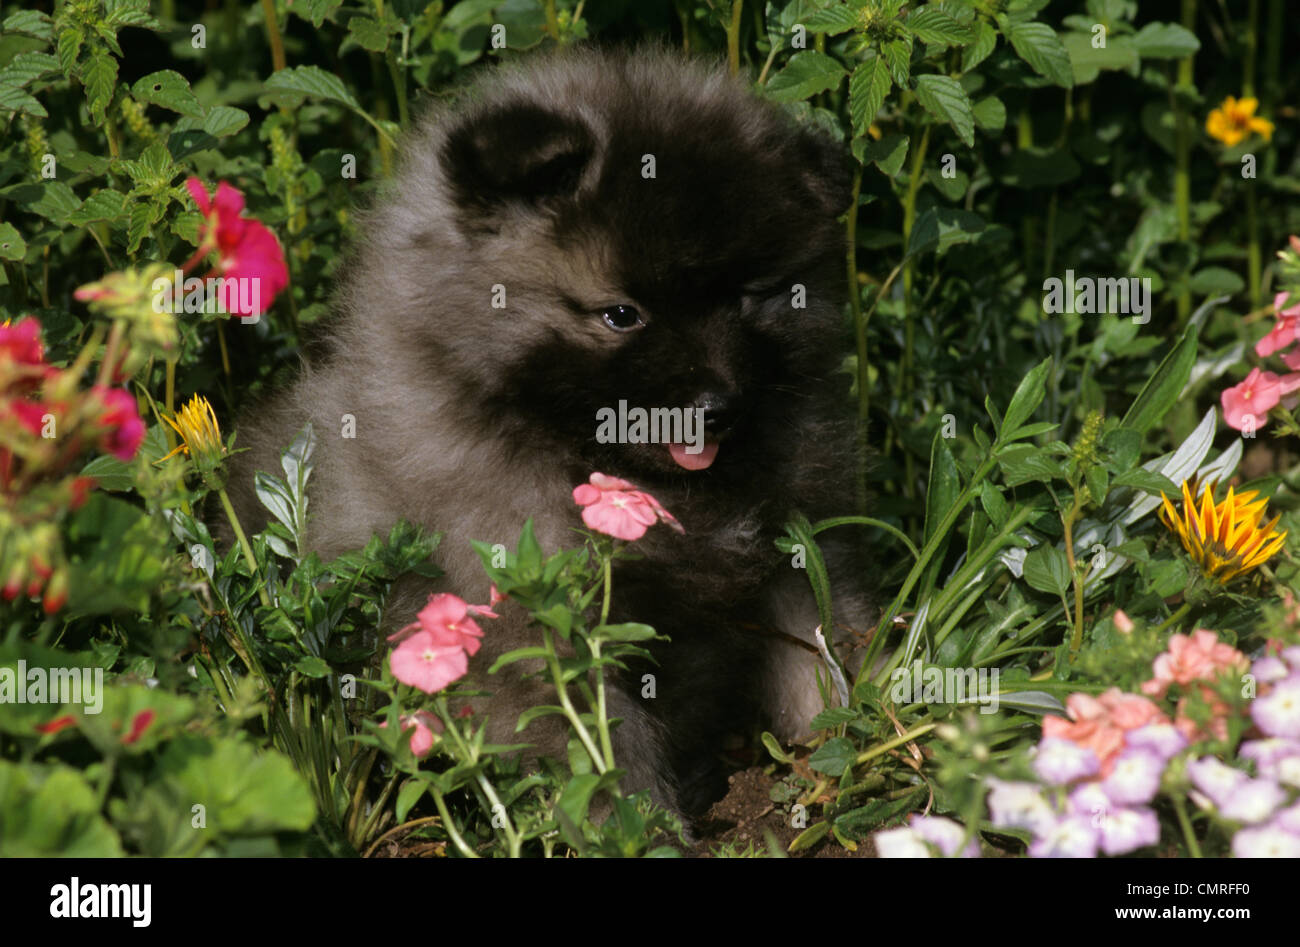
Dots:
pixel 125 429
pixel 246 248
pixel 57 724
pixel 138 726
pixel 22 342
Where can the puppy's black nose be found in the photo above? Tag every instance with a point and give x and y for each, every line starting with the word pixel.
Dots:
pixel 721 410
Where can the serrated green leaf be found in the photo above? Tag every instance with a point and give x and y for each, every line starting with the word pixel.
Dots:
pixel 867 90
pixel 28 67
pixel 930 24
pixel 19 100
pixel 832 21
pixel 312 81
pixel 170 90
pixel 223 120
pixel 888 154
pixel 808 73
pixel 368 33
pixel 30 23
pixel 945 99
pixel 986 38
pixel 69 47
pixel 106 204
pixel 833 756
pixel 898 54
pixel 1039 46
pixel 100 76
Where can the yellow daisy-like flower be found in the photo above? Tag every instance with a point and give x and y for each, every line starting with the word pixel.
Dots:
pixel 196 423
pixel 1235 119
pixel 1225 540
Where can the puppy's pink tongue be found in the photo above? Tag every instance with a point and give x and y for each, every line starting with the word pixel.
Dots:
pixel 694 461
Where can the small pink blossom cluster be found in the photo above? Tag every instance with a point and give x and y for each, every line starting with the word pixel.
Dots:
pixel 47 423
pixel 434 651
pixel 617 508
pixel 1246 405
pixel 1194 662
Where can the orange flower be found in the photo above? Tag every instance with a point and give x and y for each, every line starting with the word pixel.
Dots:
pixel 1235 119
pixel 1100 723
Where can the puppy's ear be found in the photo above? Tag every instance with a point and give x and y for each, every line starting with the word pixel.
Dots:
pixel 829 169
pixel 516 153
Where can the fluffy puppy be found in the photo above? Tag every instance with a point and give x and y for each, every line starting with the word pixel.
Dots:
pixel 578 230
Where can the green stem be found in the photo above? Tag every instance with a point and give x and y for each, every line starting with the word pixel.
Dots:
pixel 898 741
pixel 450 825
pixel 733 38
pixel 244 545
pixel 602 723
pixel 273 35
pixel 562 694
pixel 1175 618
pixel 1186 825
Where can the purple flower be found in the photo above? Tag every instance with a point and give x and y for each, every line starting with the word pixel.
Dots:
pixel 1215 779
pixel 1253 801
pixel 1265 841
pixel 900 843
pixel 1126 830
pixel 1060 762
pixel 1135 778
pixel 1278 713
pixel 945 835
pixel 1019 806
pixel 1291 656
pixel 1070 836
pixel 1269 670
pixel 1274 758
pixel 1090 800
pixel 1288 820
pixel 1162 739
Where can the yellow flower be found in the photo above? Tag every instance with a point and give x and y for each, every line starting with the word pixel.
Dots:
pixel 196 423
pixel 1235 119
pixel 1225 540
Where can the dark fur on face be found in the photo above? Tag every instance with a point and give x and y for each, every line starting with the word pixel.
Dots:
pixel 470 419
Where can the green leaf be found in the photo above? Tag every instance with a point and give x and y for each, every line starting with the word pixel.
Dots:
pixel 1166 41
pixel 832 21
pixel 28 67
pixel 628 631
pixel 100 77
pixel 986 38
pixel 808 73
pixel 809 836
pixel 867 90
pixel 898 54
pixel 110 473
pixel 944 486
pixel 773 747
pixel 51 812
pixel 990 114
pixel 223 120
pixel 17 100
pixel 930 24
pixel 368 33
pixel 69 47
pixel 1216 281
pixel 105 204
pixel 12 245
pixel 1038 45
pixel 1047 570
pixel 833 717
pixel 312 81
pixel 945 99
pixel 31 23
pixel 1087 61
pixel 1147 480
pixel 1029 394
pixel 833 756
pixel 888 154
pixel 1164 386
pixel 170 90
pixel 410 793
pixel 311 666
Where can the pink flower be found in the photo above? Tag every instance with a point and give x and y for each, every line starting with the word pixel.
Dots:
pixel 125 430
pixel 21 342
pixel 446 618
pixel 245 247
pixel 425 725
pixel 617 508
pixel 1100 723
pixel 1218 722
pixel 422 662
pixel 1200 657
pixel 1250 402
pixel 1285 331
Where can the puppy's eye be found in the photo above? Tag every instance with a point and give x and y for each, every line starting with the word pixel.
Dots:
pixel 622 318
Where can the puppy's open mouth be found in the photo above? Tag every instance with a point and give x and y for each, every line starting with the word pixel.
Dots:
pixel 697 461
